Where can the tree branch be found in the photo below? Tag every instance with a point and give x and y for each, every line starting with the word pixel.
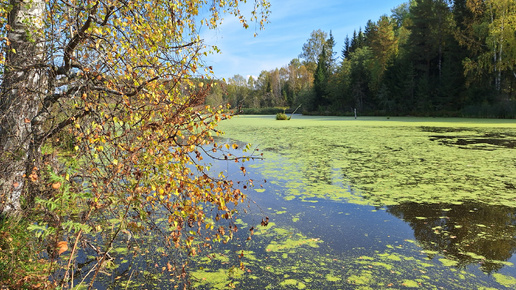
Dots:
pixel 80 36
pixel 61 126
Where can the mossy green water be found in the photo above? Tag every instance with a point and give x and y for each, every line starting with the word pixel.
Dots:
pixel 385 162
pixel 435 175
pixel 293 261
pixel 440 164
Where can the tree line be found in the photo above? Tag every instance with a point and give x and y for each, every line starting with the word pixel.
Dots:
pixel 428 57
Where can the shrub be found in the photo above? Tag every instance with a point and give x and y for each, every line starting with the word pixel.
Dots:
pixel 262 111
pixel 282 116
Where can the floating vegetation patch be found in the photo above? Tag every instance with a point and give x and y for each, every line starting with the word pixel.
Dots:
pixel 450 180
pixel 385 162
pixel 457 205
pixel 286 259
pixel 507 281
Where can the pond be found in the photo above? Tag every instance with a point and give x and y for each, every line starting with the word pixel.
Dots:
pixel 372 203
pixel 339 203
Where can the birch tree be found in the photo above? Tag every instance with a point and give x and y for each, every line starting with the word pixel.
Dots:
pixel 23 88
pixel 116 78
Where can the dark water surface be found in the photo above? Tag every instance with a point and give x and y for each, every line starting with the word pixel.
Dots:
pixel 444 190
pixel 368 205
pixel 410 245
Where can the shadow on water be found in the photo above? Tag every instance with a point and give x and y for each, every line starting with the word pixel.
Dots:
pixel 470 233
pixel 320 239
pixel 468 139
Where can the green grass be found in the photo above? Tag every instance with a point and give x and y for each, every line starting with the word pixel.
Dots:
pixel 21 266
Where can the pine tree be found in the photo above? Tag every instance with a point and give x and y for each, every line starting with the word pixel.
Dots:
pixel 320 80
pixel 345 50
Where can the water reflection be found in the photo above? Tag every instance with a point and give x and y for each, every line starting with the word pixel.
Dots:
pixel 470 233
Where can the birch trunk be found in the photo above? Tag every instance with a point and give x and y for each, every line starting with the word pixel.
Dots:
pixel 22 89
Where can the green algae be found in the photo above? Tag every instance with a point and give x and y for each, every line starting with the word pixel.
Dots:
pixel 385 162
pixel 286 262
pixel 248 255
pixel 361 279
pixel 410 284
pixel 448 262
pixel 293 282
pixel 382 264
pixel 215 279
pixel 332 278
pixel 240 222
pixel 292 243
pixel 371 163
pixel 393 257
pixel 504 280
pixel 286 240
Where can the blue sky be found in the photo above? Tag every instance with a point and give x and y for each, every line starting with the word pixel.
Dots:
pixel 291 22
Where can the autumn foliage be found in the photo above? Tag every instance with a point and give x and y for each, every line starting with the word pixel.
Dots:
pixel 125 84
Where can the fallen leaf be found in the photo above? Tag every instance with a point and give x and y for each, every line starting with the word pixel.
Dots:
pixel 62 247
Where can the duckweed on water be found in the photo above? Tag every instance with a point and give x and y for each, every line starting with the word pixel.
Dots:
pixel 446 166
pixel 506 281
pixel 285 259
pixel 386 162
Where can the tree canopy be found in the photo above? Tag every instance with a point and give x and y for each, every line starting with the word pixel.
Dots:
pixel 428 57
pixel 121 87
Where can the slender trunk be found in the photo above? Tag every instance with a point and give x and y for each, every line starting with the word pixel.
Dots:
pixel 440 56
pixel 23 86
pixel 497 69
pixel 500 54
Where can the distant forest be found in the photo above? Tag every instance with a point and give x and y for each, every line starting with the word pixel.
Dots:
pixel 428 58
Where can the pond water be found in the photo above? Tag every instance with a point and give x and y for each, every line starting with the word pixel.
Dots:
pixel 373 203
